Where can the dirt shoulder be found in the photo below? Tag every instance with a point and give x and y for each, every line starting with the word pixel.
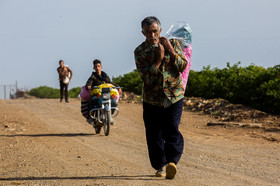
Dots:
pixel 44 142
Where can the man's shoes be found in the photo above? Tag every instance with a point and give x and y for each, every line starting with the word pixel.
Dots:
pixel 160 173
pixel 67 101
pixel 112 121
pixel 171 170
pixel 97 130
pixel 60 100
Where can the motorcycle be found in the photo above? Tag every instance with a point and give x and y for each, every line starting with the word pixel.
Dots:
pixel 102 115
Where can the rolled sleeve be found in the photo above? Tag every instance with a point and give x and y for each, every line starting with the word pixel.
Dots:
pixel 180 63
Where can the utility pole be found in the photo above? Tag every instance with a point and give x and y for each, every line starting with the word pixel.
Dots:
pixel 16 92
pixel 4 91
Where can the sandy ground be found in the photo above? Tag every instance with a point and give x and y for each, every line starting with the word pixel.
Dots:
pixel 44 142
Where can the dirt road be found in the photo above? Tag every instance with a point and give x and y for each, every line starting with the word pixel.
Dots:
pixel 44 142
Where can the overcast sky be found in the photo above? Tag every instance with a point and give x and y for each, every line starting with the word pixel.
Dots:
pixel 36 34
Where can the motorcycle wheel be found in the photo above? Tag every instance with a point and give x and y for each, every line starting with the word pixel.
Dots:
pixel 97 130
pixel 107 123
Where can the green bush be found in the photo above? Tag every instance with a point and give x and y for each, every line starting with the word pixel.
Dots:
pixel 74 92
pixel 130 82
pixel 48 92
pixel 45 92
pixel 253 86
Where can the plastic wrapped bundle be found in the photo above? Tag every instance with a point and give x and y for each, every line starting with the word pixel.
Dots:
pixel 183 33
pixel 85 94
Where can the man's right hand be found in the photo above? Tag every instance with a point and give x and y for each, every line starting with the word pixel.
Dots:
pixel 89 87
pixel 160 54
pixel 168 47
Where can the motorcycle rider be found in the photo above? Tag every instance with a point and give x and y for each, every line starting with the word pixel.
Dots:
pixel 97 78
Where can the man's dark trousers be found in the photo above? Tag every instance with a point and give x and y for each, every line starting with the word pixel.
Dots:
pixel 62 87
pixel 164 140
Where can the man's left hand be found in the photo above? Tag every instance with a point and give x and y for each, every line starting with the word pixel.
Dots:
pixel 120 91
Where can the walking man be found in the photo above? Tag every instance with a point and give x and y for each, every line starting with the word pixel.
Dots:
pixel 64 79
pixel 159 62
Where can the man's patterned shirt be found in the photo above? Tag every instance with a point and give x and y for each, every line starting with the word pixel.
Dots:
pixel 163 83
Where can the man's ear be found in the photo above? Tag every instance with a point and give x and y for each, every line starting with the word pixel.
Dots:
pixel 160 30
pixel 143 32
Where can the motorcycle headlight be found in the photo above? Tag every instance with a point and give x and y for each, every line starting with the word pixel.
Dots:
pixel 106 96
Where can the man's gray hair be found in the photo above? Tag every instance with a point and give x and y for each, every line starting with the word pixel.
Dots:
pixel 148 21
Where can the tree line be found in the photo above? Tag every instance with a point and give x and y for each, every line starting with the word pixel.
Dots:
pixel 254 86
pixel 49 92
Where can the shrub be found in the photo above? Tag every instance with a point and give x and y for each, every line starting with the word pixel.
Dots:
pixel 48 92
pixel 254 86
pixel 74 92
pixel 44 92
pixel 130 82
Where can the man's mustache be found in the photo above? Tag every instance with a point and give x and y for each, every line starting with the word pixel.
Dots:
pixel 153 38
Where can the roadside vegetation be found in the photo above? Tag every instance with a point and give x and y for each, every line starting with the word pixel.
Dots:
pixel 253 86
pixel 49 92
